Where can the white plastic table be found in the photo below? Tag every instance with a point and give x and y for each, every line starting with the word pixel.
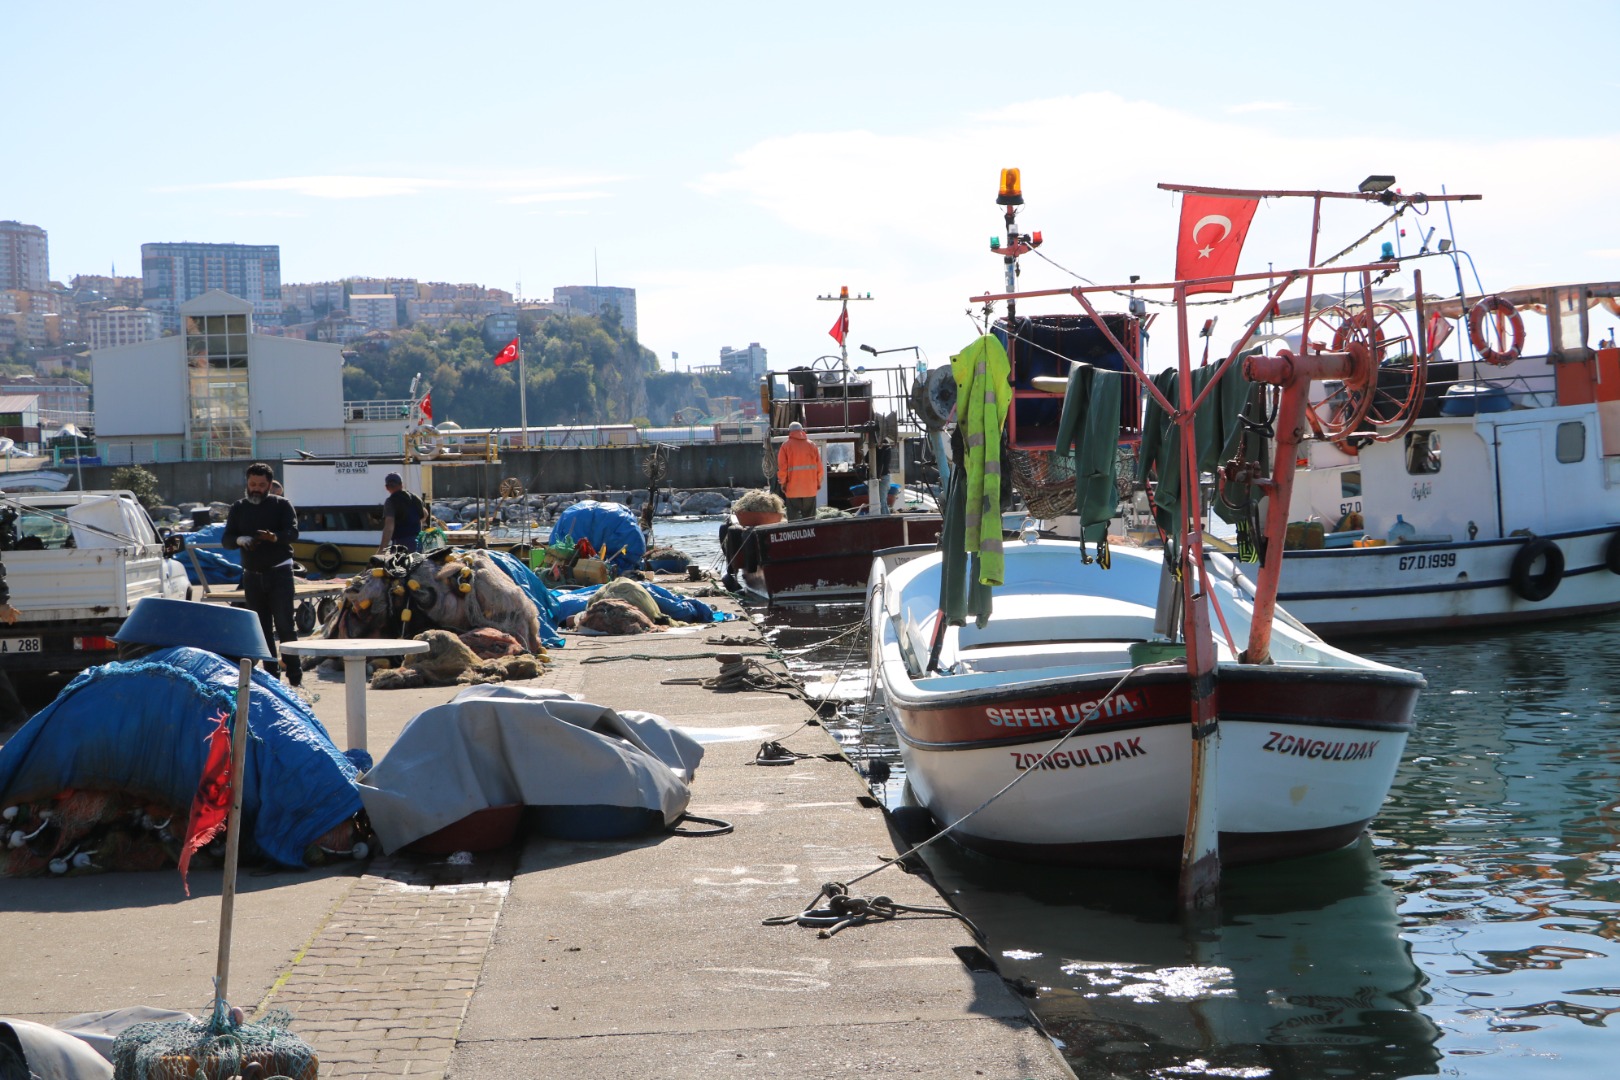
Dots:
pixel 354 652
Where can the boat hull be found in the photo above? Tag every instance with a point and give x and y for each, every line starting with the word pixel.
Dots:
pixel 1305 761
pixel 1452 585
pixel 818 559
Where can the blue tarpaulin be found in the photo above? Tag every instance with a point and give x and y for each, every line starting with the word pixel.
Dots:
pixel 609 526
pixel 220 567
pixel 544 599
pixel 678 607
pixel 142 727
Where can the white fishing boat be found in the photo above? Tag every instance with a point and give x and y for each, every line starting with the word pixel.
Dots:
pixel 1497 500
pixel 1075 702
pixel 1309 743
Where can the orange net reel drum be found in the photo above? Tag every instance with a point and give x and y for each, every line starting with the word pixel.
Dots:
pixel 1504 340
pixel 1388 392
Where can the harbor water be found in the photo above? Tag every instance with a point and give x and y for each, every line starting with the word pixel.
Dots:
pixel 1475 932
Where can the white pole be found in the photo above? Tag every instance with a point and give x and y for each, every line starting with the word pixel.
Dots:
pixel 233 827
pixel 523 395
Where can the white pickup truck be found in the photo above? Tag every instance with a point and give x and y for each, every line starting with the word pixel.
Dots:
pixel 76 563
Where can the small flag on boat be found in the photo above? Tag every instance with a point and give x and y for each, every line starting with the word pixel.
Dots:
pixel 426 407
pixel 840 327
pixel 1213 228
pixel 508 354
pixel 212 803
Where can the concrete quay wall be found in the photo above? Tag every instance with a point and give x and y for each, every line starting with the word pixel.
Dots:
pixel 551 471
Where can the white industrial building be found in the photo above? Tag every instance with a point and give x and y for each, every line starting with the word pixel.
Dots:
pixel 218 390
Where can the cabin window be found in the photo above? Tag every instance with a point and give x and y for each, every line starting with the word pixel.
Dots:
pixel 1422 452
pixel 1350 484
pixel 1571 442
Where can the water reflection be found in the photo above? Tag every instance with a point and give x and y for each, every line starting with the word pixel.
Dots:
pixel 1306 974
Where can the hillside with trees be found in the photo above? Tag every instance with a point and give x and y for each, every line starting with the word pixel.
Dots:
pixel 580 369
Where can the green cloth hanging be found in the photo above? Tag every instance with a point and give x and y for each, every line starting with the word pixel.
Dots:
pixel 1216 429
pixel 983 394
pixel 1089 433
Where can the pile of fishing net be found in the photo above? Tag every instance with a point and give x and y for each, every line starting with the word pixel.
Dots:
pixel 222 1046
pixel 104 777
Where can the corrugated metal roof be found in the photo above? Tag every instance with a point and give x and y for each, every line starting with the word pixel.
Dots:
pixel 18 402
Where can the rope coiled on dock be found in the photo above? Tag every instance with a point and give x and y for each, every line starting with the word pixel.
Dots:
pixel 841 910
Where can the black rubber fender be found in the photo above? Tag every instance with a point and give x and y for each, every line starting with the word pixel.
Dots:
pixel 327 558
pixel 1537 587
pixel 1611 555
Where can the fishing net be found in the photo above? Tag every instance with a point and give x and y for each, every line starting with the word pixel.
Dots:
pixel 213 1049
pixel 1044 479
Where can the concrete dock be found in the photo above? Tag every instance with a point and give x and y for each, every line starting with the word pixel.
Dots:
pixel 642 957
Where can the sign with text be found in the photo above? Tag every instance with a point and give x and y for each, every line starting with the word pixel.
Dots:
pixel 352 468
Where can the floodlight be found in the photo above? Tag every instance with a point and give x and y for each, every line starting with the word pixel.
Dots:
pixel 1376 184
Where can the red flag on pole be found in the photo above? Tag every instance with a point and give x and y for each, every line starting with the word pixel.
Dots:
pixel 840 327
pixel 426 405
pixel 1213 228
pixel 508 354
pixel 212 803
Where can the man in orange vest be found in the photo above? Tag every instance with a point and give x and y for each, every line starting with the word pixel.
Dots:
pixel 798 470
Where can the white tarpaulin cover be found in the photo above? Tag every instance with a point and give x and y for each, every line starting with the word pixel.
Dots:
pixel 499 745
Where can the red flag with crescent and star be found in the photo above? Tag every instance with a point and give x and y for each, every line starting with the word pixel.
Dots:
pixel 211 805
pixel 840 328
pixel 1213 228
pixel 425 406
pixel 508 354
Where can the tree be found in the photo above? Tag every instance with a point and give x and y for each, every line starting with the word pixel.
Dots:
pixel 140 482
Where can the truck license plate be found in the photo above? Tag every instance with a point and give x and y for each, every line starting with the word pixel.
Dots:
pixel 19 645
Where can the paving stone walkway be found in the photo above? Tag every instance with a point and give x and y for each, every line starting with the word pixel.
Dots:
pixel 383 987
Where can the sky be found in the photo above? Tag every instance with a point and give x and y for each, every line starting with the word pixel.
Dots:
pixel 732 162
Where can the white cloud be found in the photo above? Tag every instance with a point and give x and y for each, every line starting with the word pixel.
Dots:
pixel 919 207
pixel 556 196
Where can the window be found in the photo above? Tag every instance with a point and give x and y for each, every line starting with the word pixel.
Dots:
pixel 1422 452
pixel 1571 442
pixel 1350 484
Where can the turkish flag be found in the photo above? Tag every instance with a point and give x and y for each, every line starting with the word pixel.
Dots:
pixel 508 354
pixel 1213 228
pixel 427 407
pixel 840 327
pixel 212 804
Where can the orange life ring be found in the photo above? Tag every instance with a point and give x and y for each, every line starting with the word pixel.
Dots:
pixel 1495 305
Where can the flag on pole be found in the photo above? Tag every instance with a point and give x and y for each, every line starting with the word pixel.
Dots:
pixel 508 354
pixel 1213 228
pixel 840 327
pixel 425 406
pixel 212 803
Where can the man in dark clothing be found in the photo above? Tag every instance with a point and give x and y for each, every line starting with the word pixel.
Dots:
pixel 402 516
pixel 264 526
pixel 12 711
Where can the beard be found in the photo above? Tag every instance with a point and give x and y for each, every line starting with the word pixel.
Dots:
pixel 255 497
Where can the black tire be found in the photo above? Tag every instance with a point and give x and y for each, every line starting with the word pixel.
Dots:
pixel 1611 556
pixel 1537 587
pixel 304 618
pixel 327 558
pixel 325 608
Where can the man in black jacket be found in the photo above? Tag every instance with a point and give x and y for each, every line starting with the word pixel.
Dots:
pixel 264 526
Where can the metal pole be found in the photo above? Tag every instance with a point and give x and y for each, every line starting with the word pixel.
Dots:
pixel 233 827
pixel 523 395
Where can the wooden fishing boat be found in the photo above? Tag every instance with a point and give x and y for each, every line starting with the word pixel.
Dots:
pixel 1493 501
pixel 1115 706
pixel 859 420
pixel 1309 743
